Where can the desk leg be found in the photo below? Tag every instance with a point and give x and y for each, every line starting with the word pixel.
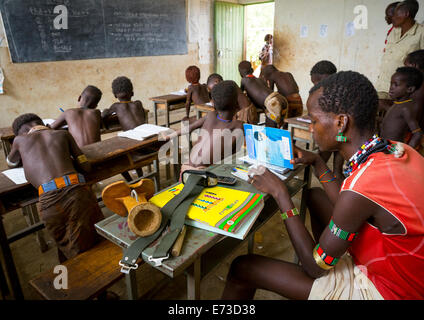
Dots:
pixel 193 281
pixel 131 283
pixel 167 115
pixel 6 147
pixel 155 109
pixel 4 289
pixel 10 264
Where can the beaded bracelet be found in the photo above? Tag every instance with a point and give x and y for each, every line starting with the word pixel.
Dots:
pixel 340 233
pixel 290 213
pixel 323 260
pixel 325 181
pixel 328 170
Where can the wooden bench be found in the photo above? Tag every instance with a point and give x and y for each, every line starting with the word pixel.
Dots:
pixel 89 274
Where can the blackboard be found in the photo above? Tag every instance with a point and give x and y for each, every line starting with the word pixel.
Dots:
pixel 95 29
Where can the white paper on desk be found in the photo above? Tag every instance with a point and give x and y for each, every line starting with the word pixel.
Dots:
pixel 179 93
pixel 50 121
pixel 17 175
pixel 208 104
pixel 142 132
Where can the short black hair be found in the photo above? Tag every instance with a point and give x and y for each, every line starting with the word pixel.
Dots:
pixel 224 94
pixel 268 69
pixel 393 5
pixel 324 67
pixel 411 6
pixel 267 37
pixel 214 76
pixel 413 76
pixel 416 58
pixel 192 74
pixel 122 85
pixel 352 93
pixel 95 95
pixel 24 119
pixel 245 67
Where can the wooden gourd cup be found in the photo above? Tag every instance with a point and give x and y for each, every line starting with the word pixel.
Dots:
pixel 144 218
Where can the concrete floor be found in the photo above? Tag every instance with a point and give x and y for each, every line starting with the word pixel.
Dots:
pixel 271 240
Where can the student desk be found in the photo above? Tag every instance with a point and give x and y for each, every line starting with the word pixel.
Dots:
pixel 299 130
pixel 202 250
pixel 202 109
pixel 108 158
pixel 169 102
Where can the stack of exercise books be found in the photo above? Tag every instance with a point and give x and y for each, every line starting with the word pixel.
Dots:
pixel 218 209
pixel 142 132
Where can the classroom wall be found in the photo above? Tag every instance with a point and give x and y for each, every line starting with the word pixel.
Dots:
pixel 43 87
pixel 359 52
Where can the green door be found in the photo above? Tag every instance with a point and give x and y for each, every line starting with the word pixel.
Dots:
pixel 229 35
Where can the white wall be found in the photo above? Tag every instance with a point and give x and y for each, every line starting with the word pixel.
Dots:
pixel 360 52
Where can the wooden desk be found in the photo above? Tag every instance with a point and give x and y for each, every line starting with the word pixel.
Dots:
pixel 202 250
pixel 202 109
pixel 108 158
pixel 299 130
pixel 169 102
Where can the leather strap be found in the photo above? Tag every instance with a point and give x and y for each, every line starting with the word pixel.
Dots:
pixel 191 190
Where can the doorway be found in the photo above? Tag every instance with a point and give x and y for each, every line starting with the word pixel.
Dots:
pixel 239 35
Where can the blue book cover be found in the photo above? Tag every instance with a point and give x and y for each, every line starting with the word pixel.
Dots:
pixel 269 145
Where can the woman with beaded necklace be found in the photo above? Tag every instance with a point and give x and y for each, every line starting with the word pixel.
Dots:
pixel 368 233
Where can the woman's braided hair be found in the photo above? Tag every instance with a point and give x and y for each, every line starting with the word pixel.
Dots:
pixel 351 93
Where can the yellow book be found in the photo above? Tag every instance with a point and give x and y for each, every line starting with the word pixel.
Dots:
pixel 219 207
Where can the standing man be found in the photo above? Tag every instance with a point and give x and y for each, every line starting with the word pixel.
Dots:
pixel 390 11
pixel 407 36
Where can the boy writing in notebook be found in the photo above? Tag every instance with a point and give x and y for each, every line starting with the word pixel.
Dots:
pixel 130 113
pixel 401 122
pixel 196 93
pixel 52 162
pixel 273 103
pixel 219 133
pixel 286 86
pixel 247 112
pixel 83 122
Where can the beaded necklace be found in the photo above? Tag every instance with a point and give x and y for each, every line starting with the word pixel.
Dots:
pixel 37 128
pixel 402 102
pixel 375 144
pixel 250 76
pixel 223 120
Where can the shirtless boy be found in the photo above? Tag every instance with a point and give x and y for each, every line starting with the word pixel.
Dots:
pixel 416 60
pixel 51 160
pixel 247 111
pixel 401 122
pixel 196 93
pixel 224 99
pixel 83 122
pixel 130 113
pixel 273 103
pixel 286 86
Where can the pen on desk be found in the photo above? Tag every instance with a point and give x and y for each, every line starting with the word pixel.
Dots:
pixel 61 109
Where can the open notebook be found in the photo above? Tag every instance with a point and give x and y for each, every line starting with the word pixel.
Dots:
pixel 142 132
pixel 221 210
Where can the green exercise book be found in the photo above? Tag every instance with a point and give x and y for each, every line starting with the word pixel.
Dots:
pixel 218 209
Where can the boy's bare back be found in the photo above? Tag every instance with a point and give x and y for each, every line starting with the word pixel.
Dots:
pixel 207 141
pixel 256 90
pixel 84 125
pixel 130 114
pixel 286 85
pixel 45 155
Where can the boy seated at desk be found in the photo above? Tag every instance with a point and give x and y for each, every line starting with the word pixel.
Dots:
pixel 401 122
pixel 416 60
pixel 247 111
pixel 66 205
pixel 219 133
pixel 273 103
pixel 83 122
pixel 130 113
pixel 196 93
pixel 287 87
